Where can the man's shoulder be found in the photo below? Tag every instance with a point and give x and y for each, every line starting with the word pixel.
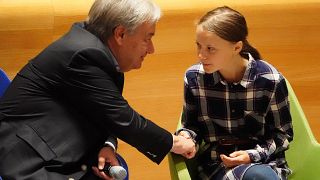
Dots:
pixel 79 38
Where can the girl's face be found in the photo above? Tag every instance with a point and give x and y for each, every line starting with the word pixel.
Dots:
pixel 214 52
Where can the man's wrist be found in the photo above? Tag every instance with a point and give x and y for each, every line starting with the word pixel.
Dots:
pixel 174 141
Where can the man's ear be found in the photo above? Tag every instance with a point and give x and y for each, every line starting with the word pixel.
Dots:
pixel 238 46
pixel 118 34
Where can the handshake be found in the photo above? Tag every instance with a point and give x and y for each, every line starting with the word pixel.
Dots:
pixel 184 145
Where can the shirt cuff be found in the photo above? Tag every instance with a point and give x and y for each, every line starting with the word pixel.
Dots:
pixel 191 133
pixel 107 143
pixel 254 155
pixel 172 142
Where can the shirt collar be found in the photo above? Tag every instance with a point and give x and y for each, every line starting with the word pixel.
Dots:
pixel 115 62
pixel 249 74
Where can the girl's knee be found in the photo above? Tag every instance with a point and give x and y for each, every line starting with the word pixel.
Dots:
pixel 260 172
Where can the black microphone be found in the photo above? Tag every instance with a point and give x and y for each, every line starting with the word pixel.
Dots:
pixel 117 172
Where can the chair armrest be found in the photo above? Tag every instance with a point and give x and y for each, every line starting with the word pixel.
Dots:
pixel 178 167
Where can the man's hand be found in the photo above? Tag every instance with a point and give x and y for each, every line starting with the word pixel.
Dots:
pixel 106 155
pixel 236 158
pixel 184 146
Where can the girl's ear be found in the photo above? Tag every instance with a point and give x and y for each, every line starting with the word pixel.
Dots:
pixel 118 34
pixel 238 47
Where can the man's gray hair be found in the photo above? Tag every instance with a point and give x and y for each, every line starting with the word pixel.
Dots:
pixel 105 15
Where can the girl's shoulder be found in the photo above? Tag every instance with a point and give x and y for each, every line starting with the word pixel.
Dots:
pixel 195 68
pixel 193 72
pixel 268 71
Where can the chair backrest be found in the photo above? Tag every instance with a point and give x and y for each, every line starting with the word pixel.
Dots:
pixel 4 82
pixel 122 163
pixel 303 155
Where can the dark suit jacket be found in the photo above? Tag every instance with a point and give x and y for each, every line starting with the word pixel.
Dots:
pixel 63 105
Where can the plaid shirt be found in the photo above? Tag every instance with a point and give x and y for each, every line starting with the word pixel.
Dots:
pixel 257 107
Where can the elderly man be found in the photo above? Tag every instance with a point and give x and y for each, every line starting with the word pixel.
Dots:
pixel 65 109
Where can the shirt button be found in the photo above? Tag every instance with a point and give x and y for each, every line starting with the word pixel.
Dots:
pixel 83 167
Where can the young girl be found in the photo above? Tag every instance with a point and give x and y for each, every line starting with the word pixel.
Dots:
pixel 236 103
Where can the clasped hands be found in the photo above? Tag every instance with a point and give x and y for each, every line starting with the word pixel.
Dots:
pixel 184 145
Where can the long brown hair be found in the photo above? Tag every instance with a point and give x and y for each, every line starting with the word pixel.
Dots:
pixel 231 26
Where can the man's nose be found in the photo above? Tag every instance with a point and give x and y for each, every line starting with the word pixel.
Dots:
pixel 151 48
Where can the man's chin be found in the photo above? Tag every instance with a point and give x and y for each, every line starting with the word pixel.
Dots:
pixel 132 67
pixel 138 66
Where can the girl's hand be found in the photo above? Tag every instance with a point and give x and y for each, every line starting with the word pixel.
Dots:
pixel 236 158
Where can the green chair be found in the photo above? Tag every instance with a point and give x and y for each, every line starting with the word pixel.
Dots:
pixel 303 155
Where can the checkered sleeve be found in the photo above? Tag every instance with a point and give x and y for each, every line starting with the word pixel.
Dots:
pixel 190 113
pixel 278 129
